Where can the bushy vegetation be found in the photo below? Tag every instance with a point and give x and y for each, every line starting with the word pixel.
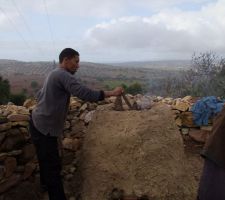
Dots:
pixel 6 96
pixel 205 77
pixel 4 90
pixel 133 88
pixel 34 85
pixel 17 99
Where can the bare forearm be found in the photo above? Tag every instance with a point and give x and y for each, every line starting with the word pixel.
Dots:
pixel 108 93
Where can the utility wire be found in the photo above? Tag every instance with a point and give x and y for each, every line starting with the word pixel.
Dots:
pixel 15 28
pixel 49 25
pixel 22 17
pixel 27 26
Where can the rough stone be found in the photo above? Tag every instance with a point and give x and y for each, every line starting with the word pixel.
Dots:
pixel 26 190
pixel 110 99
pixel 75 104
pixel 69 177
pixel 92 106
pixel 10 165
pixel 72 170
pixel 11 142
pixel 6 113
pixel 29 103
pixel 82 116
pixel 83 107
pixel 182 106
pixel 14 153
pixel 66 125
pixel 199 135
pixel 25 132
pixel 3 156
pixel 187 119
pixel 118 105
pixel 1 172
pixel 105 107
pixel 88 116
pixel 3 120
pixel 21 123
pixel 28 153
pixel 185 131
pixel 18 117
pixel 9 182
pixel 71 144
pixel 17 109
pixel 206 128
pixel 140 157
pixel 178 121
pixel 68 157
pixel 20 169
pixel 168 100
pixel 6 126
pixel 187 98
pixel 13 132
pixel 2 136
pixel 29 169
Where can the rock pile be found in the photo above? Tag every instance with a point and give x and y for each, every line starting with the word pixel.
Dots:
pixel 184 118
pixel 18 161
pixel 17 154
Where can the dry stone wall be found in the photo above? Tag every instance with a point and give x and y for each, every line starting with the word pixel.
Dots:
pixel 18 161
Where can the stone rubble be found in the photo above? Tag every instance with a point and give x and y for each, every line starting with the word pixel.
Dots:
pixel 18 160
pixel 184 118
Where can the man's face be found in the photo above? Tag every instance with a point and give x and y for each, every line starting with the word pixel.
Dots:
pixel 72 64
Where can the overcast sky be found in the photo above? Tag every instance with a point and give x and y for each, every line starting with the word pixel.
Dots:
pixel 111 30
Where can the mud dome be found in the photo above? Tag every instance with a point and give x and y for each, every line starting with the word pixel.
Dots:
pixel 140 152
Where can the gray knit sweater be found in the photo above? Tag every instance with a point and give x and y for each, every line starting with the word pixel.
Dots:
pixel 53 101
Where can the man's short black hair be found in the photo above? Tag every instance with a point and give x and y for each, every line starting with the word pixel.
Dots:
pixel 67 53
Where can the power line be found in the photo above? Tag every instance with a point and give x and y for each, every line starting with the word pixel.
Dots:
pixel 49 25
pixel 15 28
pixel 27 26
pixel 22 17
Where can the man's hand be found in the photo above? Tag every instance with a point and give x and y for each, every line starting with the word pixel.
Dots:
pixel 116 92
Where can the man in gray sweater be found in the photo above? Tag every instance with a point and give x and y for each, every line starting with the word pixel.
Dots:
pixel 48 117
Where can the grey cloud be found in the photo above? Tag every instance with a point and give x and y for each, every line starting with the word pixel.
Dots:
pixel 202 31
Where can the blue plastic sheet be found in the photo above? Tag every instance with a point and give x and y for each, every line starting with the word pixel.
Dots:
pixel 206 108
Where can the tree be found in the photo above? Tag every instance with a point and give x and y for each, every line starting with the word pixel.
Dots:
pixel 24 91
pixel 17 99
pixel 124 86
pixel 200 79
pixel 135 88
pixel 34 84
pixel 5 90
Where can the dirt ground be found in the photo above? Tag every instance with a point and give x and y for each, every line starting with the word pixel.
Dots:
pixel 141 153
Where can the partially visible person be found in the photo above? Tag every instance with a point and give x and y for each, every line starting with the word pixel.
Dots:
pixel 212 182
pixel 48 117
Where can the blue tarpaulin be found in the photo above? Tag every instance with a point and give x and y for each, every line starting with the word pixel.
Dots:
pixel 206 108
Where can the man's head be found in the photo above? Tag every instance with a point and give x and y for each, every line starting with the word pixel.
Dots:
pixel 69 60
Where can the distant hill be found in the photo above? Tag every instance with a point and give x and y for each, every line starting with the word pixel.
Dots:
pixel 163 64
pixel 8 67
pixel 42 68
pixel 95 75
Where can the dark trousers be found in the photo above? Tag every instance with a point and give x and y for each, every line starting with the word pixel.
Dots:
pixel 49 163
pixel 212 183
